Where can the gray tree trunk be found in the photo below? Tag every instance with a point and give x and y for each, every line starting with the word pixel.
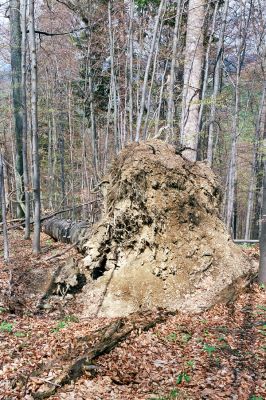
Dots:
pixel 262 266
pixel 15 49
pixel 232 172
pixel 3 207
pixel 216 84
pixel 174 62
pixel 193 65
pixel 113 81
pixel 35 134
pixel 252 186
pixel 206 65
pixel 24 117
pixel 147 70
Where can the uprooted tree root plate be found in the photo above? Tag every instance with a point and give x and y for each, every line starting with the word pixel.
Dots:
pixel 160 241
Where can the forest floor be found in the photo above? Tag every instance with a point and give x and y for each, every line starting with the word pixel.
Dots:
pixel 218 354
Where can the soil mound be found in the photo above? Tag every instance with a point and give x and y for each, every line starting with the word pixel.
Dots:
pixel 160 242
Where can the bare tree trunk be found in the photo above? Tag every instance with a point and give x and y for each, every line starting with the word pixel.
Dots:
pixel 194 53
pixel 206 65
pixel 35 135
pixel 61 146
pixel 171 107
pixel 216 84
pixel 157 131
pixel 71 145
pixel 24 117
pixel 113 81
pixel 262 266
pixel 147 70
pixel 3 206
pixel 50 148
pixel 232 173
pixel 130 63
pixel 252 186
pixel 15 47
pixel 148 103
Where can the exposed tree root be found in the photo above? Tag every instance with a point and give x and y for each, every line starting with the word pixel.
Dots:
pixel 96 344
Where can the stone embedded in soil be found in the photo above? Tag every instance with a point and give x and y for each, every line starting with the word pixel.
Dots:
pixel 160 242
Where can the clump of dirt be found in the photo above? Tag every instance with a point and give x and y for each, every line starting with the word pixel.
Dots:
pixel 160 242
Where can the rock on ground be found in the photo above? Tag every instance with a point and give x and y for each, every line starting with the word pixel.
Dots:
pixel 160 242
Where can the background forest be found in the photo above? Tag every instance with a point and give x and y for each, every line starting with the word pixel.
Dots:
pixel 155 302
pixel 81 79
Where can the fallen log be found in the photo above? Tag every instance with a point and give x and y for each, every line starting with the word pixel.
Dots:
pixel 80 361
pixel 67 231
pixel 21 221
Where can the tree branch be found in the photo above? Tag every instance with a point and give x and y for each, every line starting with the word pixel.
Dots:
pixel 59 33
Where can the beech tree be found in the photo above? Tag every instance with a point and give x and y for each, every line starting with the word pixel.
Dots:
pixel 24 116
pixel 3 208
pixel 262 126
pixel 15 53
pixel 35 133
pixel 193 64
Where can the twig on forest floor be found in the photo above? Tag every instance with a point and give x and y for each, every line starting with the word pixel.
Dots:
pixel 49 382
pixel 62 253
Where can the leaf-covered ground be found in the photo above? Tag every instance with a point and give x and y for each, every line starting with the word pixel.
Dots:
pixel 219 354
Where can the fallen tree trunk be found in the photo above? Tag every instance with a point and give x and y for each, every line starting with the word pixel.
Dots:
pixel 20 222
pixel 67 231
pixel 80 361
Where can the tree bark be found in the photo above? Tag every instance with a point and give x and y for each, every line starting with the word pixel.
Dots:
pixel 35 135
pixel 113 81
pixel 24 117
pixel 193 65
pixel 147 70
pixel 262 265
pixel 216 84
pixel 15 48
pixel 232 172
pixel 255 162
pixel 67 231
pixel 3 206
pixel 206 65
pixel 174 62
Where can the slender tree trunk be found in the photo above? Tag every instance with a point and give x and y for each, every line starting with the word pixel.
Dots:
pixel 62 162
pixel 35 135
pixel 252 186
pixel 157 131
pixel 206 65
pixel 147 69
pixel 71 146
pixel 130 66
pixel 50 146
pixel 174 62
pixel 216 84
pixel 232 173
pixel 148 103
pixel 262 266
pixel 113 81
pixel 257 208
pixel 194 53
pixel 233 157
pixel 24 117
pixel 15 47
pixel 3 206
